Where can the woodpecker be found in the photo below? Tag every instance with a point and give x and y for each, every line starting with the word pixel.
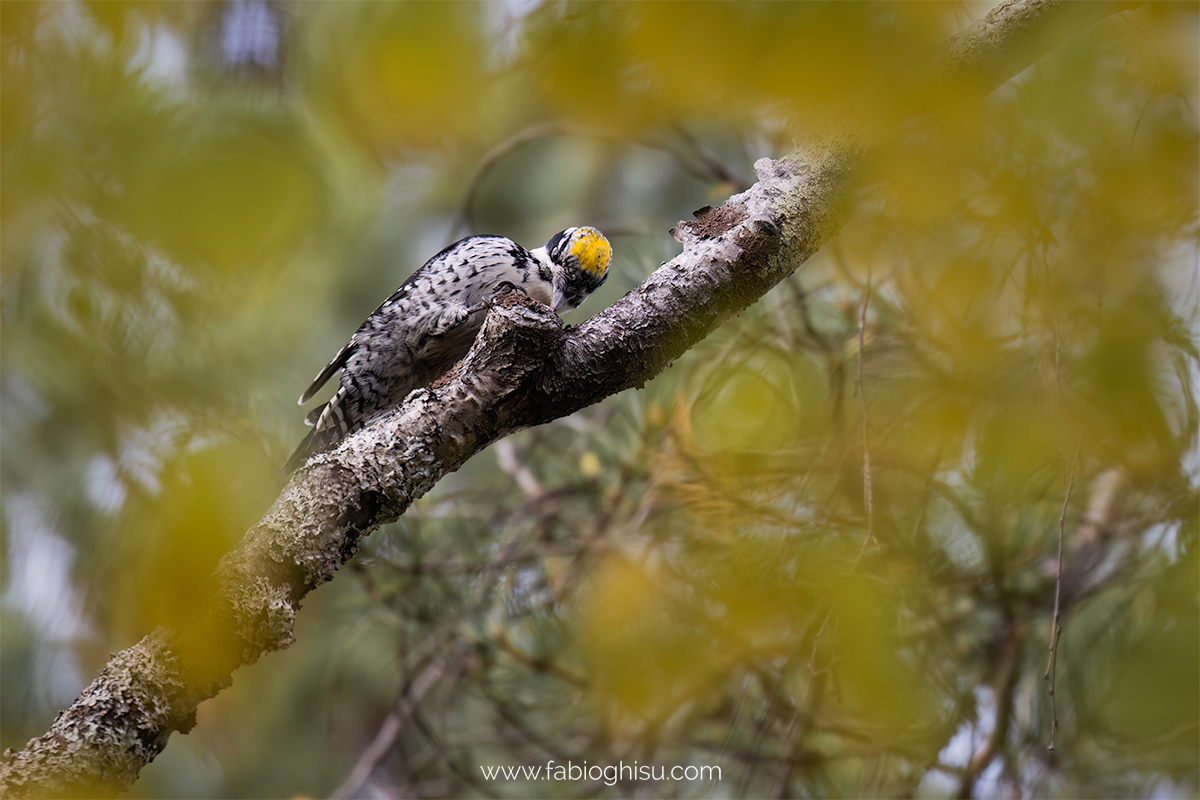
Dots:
pixel 429 323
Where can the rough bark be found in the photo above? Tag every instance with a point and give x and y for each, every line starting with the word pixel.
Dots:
pixel 524 369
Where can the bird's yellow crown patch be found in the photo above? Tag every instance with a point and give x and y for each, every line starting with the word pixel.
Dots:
pixel 592 251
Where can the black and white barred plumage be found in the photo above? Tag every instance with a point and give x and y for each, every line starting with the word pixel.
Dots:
pixel 429 323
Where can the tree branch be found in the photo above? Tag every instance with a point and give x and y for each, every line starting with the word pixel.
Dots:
pixel 524 369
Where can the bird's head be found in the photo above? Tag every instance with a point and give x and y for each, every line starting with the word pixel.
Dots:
pixel 582 256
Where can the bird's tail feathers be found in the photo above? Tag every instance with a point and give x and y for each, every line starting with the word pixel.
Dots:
pixel 306 448
pixel 330 426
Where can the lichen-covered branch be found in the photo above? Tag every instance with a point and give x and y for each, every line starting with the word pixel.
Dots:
pixel 524 369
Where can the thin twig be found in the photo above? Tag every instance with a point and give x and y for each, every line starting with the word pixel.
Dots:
pixel 760 726
pixel 1055 625
pixel 513 465
pixel 544 664
pixel 786 768
pixel 1010 642
pixel 717 168
pixel 868 499
pixel 393 723
pixel 464 219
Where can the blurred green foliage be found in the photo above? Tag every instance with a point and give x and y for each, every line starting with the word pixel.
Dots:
pixel 824 585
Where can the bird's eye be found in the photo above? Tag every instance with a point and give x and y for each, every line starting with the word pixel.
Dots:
pixel 555 243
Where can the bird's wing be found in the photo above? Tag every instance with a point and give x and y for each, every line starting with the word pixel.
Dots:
pixel 344 354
